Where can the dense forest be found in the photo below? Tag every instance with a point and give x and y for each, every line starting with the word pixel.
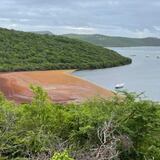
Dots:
pixel 99 129
pixel 29 51
pixel 110 41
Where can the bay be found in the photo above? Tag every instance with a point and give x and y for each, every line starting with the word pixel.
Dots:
pixel 143 75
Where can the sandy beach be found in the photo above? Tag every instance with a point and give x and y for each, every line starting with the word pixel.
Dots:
pixel 61 86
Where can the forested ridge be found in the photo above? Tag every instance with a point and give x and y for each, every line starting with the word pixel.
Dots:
pixel 111 41
pixel 22 51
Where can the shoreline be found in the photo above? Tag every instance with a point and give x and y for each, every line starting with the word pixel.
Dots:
pixel 61 85
pixel 83 79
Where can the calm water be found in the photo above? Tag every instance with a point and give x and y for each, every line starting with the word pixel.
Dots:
pixel 143 75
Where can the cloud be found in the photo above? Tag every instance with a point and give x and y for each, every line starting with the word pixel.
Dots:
pixel 157 28
pixel 138 18
pixel 80 30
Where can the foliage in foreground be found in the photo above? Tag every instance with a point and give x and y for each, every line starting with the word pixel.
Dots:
pixel 129 129
pixel 61 156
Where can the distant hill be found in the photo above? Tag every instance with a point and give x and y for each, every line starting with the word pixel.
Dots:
pixel 43 32
pixel 108 41
pixel 20 51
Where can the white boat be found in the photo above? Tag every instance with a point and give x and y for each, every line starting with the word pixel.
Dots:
pixel 118 86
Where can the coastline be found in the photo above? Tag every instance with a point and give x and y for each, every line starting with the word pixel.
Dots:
pixel 61 86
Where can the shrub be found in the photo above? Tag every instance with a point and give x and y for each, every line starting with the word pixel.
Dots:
pixel 40 129
pixel 61 156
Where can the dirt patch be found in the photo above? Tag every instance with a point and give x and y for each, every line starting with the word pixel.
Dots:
pixel 61 86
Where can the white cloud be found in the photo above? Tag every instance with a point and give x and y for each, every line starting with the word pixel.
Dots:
pixel 82 30
pixel 4 20
pixel 110 17
pixel 54 29
pixel 157 28
pixel 113 2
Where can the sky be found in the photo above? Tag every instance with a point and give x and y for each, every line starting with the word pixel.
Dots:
pixel 129 18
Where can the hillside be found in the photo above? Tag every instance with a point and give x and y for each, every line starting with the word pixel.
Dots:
pixel 43 32
pixel 21 51
pixel 109 41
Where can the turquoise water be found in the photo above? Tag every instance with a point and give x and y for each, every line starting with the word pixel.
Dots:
pixel 143 75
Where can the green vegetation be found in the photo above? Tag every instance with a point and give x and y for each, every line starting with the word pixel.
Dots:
pixel 28 51
pixel 61 156
pixel 108 41
pixel 128 129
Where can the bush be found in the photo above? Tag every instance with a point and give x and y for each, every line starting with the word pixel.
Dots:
pixel 61 156
pixel 36 130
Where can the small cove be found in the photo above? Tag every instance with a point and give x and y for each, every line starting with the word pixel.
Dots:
pixel 143 75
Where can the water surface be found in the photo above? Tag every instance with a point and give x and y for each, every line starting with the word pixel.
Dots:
pixel 143 75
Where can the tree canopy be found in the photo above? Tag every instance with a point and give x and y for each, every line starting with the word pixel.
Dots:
pixel 22 51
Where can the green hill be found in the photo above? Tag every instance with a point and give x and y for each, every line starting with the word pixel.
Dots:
pixel 21 51
pixel 43 32
pixel 108 41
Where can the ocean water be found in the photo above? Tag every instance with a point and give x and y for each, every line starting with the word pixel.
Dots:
pixel 143 75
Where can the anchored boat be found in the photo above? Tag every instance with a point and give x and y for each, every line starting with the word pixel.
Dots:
pixel 119 86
